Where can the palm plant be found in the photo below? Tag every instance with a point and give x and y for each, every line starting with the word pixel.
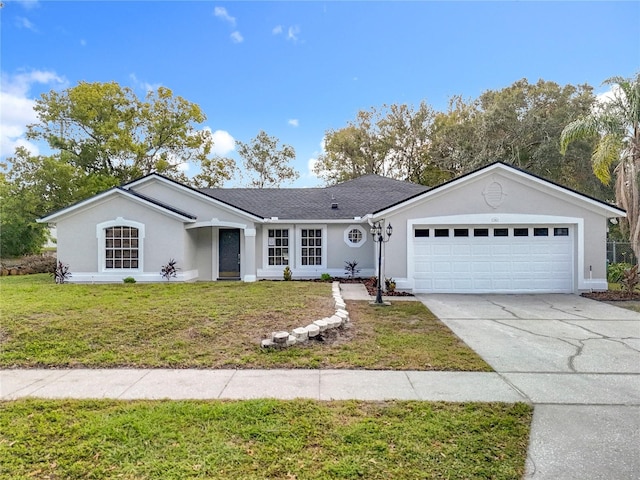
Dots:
pixel 616 123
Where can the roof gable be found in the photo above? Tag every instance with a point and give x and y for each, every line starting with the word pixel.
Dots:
pixel 133 196
pixel 201 194
pixel 520 175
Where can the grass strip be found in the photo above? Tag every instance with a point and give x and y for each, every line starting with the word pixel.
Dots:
pixel 259 439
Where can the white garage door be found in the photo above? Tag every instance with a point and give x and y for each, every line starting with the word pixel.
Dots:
pixel 483 259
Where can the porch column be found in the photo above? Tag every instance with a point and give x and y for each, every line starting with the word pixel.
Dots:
pixel 249 258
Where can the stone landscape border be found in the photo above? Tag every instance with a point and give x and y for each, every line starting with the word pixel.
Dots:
pixel 298 335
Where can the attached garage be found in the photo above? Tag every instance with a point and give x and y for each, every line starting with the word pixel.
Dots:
pixel 498 230
pixel 498 259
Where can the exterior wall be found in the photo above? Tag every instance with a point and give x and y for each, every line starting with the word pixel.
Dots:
pixel 335 251
pixel 341 251
pixel 164 238
pixel 203 253
pixel 519 197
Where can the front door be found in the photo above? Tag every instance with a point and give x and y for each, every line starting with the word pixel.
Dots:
pixel 229 254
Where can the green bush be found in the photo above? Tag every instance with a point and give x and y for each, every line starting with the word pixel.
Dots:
pixel 287 273
pixel 615 271
pixel 129 280
pixel 325 277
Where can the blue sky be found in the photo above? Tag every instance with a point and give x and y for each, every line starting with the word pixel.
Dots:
pixel 297 69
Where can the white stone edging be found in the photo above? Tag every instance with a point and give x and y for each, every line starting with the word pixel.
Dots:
pixel 302 334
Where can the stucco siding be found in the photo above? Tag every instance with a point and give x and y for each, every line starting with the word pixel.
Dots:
pixel 203 253
pixel 498 197
pixel 189 202
pixel 339 251
pixel 164 237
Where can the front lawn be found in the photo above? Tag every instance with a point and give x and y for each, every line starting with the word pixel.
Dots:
pixel 211 325
pixel 301 439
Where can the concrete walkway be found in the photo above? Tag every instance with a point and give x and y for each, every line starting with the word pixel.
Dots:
pixel 576 360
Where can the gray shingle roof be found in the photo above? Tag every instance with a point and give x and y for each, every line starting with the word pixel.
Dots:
pixel 355 198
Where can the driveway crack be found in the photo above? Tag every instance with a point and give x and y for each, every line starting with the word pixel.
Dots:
pixel 569 341
pixel 503 308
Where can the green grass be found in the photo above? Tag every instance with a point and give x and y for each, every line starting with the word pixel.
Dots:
pixel 211 325
pixel 262 439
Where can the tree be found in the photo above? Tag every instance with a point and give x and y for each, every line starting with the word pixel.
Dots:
pixel 390 141
pixel 105 129
pixel 102 135
pixel 616 125
pixel 266 163
pixel 519 125
pixel 35 186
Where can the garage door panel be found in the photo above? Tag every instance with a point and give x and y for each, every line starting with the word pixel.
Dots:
pixel 463 284
pixel 461 250
pixel 494 264
pixel 441 267
pixel 477 250
pixel 441 250
pixel 478 267
pixel 461 267
pixel 498 266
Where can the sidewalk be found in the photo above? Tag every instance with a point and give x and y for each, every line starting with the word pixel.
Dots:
pixel 244 384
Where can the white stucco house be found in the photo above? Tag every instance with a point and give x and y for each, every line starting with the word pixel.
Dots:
pixel 498 229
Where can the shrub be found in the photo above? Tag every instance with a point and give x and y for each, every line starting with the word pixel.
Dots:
pixel 61 273
pixel 129 280
pixel 287 274
pixel 630 280
pixel 351 268
pixel 616 270
pixel 169 270
pixel 325 277
pixel 390 283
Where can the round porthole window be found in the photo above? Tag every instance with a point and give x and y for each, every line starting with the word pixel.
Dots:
pixel 355 235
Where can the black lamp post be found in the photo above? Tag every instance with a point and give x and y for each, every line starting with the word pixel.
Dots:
pixel 379 236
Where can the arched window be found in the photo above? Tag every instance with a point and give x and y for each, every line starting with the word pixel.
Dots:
pixel 120 245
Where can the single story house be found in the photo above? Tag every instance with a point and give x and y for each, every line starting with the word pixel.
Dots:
pixel 498 229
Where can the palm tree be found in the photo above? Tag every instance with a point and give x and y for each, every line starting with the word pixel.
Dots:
pixel 616 123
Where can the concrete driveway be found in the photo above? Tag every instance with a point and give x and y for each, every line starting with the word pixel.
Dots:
pixel 576 360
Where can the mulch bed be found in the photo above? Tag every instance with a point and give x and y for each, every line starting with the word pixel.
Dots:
pixel 612 296
pixel 372 287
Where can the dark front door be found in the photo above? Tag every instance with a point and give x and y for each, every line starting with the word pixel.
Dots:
pixel 229 253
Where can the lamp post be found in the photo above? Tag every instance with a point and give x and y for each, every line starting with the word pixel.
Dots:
pixel 379 236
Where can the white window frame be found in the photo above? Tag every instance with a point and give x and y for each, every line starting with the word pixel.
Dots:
pixel 101 229
pixel 348 241
pixel 323 246
pixel 288 247
pixel 265 246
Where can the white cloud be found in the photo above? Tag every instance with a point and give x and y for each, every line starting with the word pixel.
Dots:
pixel 23 22
pixel 293 122
pixel 16 107
pixel 311 163
pixel 28 4
pixel 146 86
pixel 293 33
pixel 236 37
pixel 222 13
pixel 223 142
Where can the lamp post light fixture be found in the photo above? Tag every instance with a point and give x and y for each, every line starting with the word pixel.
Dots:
pixel 379 236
